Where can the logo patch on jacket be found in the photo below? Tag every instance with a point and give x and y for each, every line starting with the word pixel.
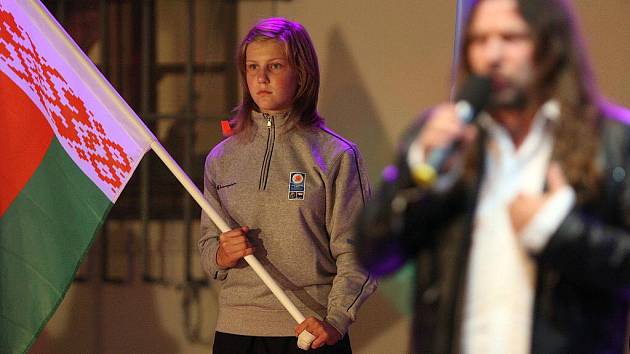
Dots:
pixel 297 185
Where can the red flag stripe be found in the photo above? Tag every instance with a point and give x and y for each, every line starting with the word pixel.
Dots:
pixel 24 139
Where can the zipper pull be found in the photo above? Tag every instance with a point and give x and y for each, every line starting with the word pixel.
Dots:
pixel 268 116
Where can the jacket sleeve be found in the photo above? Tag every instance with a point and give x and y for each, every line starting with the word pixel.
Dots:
pixel 209 242
pixel 402 218
pixel 348 191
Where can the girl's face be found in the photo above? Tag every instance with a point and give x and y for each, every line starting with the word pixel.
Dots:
pixel 271 80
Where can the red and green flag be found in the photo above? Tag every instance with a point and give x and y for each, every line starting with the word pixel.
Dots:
pixel 68 146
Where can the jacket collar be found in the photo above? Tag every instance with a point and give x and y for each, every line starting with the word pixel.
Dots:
pixel 261 120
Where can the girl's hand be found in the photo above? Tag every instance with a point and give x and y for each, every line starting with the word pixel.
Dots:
pixel 324 332
pixel 233 245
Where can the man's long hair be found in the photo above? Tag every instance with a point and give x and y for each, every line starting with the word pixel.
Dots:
pixel 563 72
pixel 302 57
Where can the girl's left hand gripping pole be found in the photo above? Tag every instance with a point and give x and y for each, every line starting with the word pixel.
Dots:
pixel 305 338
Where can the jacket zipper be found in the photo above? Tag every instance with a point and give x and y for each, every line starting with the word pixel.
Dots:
pixel 271 138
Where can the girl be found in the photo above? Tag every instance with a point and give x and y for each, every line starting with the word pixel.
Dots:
pixel 298 186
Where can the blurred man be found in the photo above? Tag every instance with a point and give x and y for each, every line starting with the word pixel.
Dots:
pixel 529 249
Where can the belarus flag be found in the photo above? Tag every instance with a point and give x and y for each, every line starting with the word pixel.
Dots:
pixel 68 146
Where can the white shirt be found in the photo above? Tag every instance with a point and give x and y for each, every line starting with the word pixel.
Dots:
pixel 501 280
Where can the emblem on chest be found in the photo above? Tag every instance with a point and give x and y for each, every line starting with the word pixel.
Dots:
pixel 297 185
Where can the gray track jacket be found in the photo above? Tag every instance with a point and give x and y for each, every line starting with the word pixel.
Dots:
pixel 299 193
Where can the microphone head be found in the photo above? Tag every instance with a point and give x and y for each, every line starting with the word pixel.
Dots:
pixel 476 91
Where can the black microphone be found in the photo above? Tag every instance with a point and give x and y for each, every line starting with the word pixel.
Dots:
pixel 471 99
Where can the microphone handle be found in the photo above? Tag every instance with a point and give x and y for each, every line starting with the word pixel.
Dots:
pixel 426 173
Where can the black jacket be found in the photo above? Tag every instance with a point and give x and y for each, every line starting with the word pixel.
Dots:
pixel 583 280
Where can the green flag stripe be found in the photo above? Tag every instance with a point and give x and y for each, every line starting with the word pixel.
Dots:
pixel 44 234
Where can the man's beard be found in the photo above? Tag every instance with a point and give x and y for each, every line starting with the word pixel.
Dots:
pixel 511 98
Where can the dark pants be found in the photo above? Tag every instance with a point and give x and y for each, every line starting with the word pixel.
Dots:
pixel 226 343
